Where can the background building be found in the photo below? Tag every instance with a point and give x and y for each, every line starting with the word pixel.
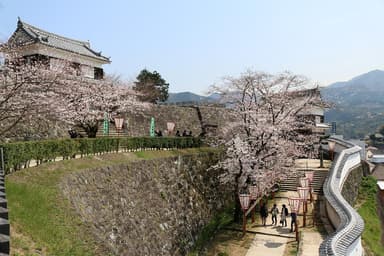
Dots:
pixel 57 51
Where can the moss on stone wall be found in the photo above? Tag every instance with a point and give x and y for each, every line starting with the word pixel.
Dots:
pixel 351 185
pixel 154 207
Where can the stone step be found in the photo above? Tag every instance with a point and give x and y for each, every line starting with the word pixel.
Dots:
pixel 292 183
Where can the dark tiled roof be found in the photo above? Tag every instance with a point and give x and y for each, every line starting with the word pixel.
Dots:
pixel 60 42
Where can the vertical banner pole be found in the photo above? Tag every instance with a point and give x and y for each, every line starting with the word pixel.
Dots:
pixel 152 128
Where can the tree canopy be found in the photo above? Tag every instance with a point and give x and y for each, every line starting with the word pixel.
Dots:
pixel 151 87
pixel 271 130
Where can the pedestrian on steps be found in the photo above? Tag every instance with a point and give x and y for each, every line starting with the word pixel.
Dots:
pixel 274 212
pixel 283 216
pixel 263 213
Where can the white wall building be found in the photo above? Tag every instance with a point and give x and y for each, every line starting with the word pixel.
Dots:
pixel 37 44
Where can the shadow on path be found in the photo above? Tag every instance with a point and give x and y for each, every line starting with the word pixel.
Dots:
pixel 273 244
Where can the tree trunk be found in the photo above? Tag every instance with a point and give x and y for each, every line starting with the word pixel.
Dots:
pixel 90 130
pixel 238 212
pixel 91 133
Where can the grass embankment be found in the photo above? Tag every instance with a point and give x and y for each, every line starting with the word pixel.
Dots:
pixel 43 221
pixel 368 211
pixel 218 222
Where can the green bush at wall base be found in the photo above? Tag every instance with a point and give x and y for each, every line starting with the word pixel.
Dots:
pixel 19 154
pixel 217 223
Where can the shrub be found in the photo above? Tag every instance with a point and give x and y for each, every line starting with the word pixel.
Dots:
pixel 19 154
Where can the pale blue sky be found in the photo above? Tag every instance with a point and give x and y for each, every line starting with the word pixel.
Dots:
pixel 193 44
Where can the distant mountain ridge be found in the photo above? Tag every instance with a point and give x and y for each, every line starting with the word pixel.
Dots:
pixel 358 104
pixel 189 96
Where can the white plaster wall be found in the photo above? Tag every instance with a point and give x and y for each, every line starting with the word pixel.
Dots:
pixel 356 249
pixel 332 215
pixel 61 54
pixel 353 160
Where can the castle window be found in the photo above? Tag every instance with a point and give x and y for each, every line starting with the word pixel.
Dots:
pixel 99 73
pixel 75 69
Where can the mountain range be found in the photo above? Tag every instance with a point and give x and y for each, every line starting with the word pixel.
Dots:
pixel 357 104
pixel 189 96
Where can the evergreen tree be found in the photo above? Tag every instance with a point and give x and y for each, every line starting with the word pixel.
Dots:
pixel 151 87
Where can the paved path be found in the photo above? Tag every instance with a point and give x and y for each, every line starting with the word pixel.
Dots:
pixel 310 243
pixel 267 244
pixel 271 240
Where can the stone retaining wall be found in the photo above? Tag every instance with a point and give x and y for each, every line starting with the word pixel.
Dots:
pixel 190 118
pixel 351 185
pixel 154 207
pixel 380 210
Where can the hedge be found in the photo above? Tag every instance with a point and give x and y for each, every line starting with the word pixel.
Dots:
pixel 19 154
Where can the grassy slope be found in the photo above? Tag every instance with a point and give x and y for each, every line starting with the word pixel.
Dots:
pixel 368 211
pixel 42 221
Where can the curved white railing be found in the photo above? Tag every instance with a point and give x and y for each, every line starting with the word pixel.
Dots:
pixel 346 240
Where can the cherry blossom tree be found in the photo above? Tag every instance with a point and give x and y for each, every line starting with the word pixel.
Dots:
pixel 272 128
pixel 34 98
pixel 84 104
pixel 25 93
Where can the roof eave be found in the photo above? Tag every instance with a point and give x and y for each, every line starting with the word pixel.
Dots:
pixel 99 58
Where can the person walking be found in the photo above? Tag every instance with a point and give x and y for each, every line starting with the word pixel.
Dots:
pixel 263 214
pixel 283 216
pixel 274 212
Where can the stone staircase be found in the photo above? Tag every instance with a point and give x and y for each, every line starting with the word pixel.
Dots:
pixel 292 183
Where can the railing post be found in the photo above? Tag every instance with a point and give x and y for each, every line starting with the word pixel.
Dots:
pixel 2 160
pixel 244 223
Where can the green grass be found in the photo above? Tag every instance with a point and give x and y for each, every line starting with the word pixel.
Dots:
pixel 218 222
pixel 368 211
pixel 40 213
pixel 167 153
pixel 291 249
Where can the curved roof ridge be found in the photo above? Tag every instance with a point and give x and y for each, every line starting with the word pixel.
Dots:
pixel 54 40
pixel 36 31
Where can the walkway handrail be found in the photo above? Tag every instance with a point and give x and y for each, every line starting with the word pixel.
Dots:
pixel 346 240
